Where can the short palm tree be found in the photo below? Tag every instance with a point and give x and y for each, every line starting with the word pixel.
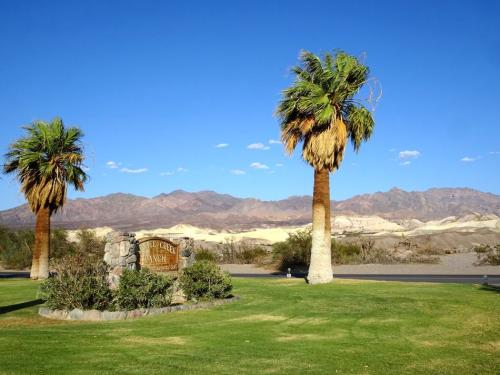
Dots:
pixel 320 110
pixel 45 161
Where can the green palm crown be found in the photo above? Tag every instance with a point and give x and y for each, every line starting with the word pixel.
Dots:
pixel 321 111
pixel 46 160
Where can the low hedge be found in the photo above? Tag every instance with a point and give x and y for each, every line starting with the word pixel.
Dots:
pixel 143 289
pixel 205 280
pixel 80 282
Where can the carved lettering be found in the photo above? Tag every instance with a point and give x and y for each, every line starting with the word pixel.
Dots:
pixel 159 255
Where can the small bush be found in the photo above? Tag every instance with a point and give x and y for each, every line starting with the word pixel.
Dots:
pixel 249 253
pixel 88 243
pixel 205 254
pixel 232 252
pixel 16 248
pixel 488 255
pixel 143 289
pixel 60 246
pixel 345 253
pixel 205 280
pixel 79 282
pixel 295 251
pixel 427 247
pixel 227 251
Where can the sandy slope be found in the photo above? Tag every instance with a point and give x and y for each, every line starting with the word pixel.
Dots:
pixel 270 235
pixel 450 233
pixel 342 225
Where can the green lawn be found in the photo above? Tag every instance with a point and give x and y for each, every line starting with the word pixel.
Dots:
pixel 279 326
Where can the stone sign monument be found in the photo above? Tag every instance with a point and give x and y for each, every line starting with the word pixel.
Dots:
pixel 158 254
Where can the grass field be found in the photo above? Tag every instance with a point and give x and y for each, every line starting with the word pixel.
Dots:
pixel 279 326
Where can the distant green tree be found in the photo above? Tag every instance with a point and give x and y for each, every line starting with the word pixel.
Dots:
pixel 16 247
pixel 60 245
pixel 89 244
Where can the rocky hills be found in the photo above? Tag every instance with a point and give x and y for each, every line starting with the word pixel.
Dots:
pixel 209 209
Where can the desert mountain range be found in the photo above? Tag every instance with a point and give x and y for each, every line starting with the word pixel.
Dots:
pixel 209 209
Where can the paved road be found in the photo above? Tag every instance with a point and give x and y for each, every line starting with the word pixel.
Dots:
pixel 14 274
pixel 463 279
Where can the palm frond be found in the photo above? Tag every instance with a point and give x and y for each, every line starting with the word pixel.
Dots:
pixel 320 109
pixel 45 161
pixel 360 125
pixel 325 149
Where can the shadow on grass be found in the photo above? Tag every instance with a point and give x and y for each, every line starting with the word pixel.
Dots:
pixel 19 306
pixel 490 288
pixel 14 275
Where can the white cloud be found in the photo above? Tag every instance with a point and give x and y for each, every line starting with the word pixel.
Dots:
pixel 128 170
pixel 257 165
pixel 494 152
pixel 222 145
pixel 112 164
pixel 274 142
pixel 85 169
pixel 405 163
pixel 171 173
pixel 237 172
pixel 409 154
pixel 470 159
pixel 257 146
pixel 279 164
pixel 392 150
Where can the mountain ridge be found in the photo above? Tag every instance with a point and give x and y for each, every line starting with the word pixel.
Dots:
pixel 211 209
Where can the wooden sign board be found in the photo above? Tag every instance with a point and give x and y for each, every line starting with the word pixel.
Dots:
pixel 158 254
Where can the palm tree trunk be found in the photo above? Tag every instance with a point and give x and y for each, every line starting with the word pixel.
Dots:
pixel 40 264
pixel 320 269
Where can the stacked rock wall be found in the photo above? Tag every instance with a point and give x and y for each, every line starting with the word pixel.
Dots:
pixel 121 252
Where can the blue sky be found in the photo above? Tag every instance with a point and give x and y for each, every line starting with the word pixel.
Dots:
pixel 157 86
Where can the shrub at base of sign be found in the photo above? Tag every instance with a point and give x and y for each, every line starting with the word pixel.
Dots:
pixel 143 289
pixel 205 280
pixel 160 255
pixel 135 277
pixel 81 284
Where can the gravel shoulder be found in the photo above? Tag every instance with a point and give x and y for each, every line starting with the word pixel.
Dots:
pixel 453 264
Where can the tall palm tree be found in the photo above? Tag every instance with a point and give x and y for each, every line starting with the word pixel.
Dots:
pixel 320 110
pixel 45 161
